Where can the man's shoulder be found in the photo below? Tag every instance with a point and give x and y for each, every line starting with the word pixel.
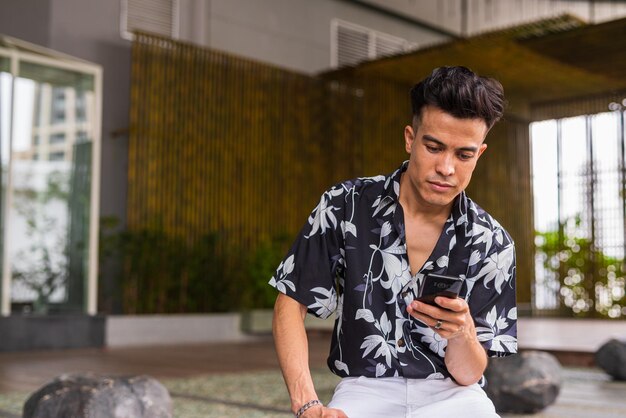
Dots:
pixel 483 220
pixel 360 185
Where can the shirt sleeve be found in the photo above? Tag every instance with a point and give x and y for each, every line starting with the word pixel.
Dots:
pixel 492 300
pixel 309 270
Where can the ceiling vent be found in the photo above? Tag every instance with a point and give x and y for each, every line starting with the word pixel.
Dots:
pixel 352 44
pixel 154 16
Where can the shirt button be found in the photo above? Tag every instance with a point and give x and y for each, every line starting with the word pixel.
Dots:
pixel 401 342
pixel 405 294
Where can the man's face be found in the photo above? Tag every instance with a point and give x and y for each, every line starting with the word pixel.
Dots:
pixel 444 151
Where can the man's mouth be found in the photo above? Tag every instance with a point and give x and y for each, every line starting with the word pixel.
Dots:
pixel 440 186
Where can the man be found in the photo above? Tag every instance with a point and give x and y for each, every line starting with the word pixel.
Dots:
pixel 365 251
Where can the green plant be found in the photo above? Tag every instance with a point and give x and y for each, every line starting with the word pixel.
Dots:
pixel 591 283
pixel 159 273
pixel 260 267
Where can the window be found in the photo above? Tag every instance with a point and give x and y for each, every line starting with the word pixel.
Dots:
pixel 56 156
pixel 352 44
pixel 81 136
pixel 57 110
pixel 154 16
pixel 579 188
pixel 57 138
pixel 81 106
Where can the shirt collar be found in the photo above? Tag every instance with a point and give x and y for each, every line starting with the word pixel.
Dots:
pixel 392 184
pixel 392 190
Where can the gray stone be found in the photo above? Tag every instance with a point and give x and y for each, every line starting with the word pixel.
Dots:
pixel 524 383
pixel 91 396
pixel 611 358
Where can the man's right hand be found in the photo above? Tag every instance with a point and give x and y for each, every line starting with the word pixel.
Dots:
pixel 293 355
pixel 324 412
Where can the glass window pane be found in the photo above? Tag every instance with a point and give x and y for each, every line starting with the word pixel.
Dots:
pixel 545 175
pixel 544 151
pixel 51 172
pixel 607 201
pixel 5 65
pixel 579 254
pixel 6 81
pixel 56 76
pixel 608 213
pixel 575 177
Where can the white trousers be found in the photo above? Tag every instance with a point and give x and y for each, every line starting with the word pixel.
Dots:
pixel 397 397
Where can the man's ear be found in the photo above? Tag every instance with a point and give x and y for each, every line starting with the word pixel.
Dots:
pixel 409 137
pixel 482 149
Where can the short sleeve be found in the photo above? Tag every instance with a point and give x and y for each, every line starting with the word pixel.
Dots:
pixel 493 302
pixel 308 271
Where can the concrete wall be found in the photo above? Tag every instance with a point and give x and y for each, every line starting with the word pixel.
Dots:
pixel 137 330
pixel 293 34
pixel 485 15
pixel 583 335
pixel 26 19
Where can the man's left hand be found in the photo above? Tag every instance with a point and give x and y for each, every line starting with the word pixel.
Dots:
pixel 452 319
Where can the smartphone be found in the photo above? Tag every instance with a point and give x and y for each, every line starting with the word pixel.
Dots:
pixel 439 285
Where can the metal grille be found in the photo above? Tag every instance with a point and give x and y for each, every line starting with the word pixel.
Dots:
pixel 153 16
pixel 352 44
pixel 578 181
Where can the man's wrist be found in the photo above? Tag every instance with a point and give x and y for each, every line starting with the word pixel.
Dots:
pixel 308 405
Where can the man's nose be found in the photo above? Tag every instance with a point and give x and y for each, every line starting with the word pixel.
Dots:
pixel 445 165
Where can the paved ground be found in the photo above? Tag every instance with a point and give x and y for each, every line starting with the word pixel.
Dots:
pixel 243 380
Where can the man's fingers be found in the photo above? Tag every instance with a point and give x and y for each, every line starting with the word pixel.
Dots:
pixel 432 311
pixel 456 304
pixel 441 320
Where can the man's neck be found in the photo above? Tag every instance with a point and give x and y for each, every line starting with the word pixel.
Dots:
pixel 415 208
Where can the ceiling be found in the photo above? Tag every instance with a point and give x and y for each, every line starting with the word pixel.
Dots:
pixel 553 60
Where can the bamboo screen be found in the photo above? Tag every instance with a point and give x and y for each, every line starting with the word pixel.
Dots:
pixel 220 143
pixel 238 150
pixel 501 184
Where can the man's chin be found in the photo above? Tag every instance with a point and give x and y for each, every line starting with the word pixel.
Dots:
pixel 437 203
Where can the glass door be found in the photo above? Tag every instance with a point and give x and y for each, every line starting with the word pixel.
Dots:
pixel 49 206
pixel 49 152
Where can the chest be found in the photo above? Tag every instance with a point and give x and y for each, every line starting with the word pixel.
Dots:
pixel 421 239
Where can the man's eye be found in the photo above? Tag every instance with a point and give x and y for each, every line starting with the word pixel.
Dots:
pixel 432 149
pixel 466 156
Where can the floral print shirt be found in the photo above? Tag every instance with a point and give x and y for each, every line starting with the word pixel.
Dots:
pixel 350 259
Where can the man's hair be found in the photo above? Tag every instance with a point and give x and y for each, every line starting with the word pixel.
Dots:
pixel 461 93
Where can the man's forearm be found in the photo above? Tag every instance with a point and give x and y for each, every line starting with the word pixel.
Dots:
pixel 293 350
pixel 466 358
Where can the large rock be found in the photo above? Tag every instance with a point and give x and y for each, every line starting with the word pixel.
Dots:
pixel 611 358
pixel 90 396
pixel 524 383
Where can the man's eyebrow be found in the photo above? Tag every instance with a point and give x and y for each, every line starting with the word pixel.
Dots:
pixel 441 144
